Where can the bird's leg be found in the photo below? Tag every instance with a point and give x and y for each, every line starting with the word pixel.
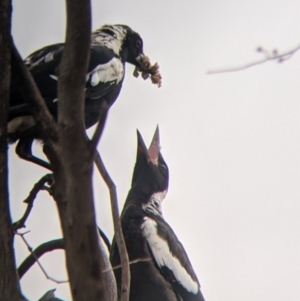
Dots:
pixel 23 150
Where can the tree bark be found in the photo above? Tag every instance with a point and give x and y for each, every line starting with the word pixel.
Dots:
pixel 71 155
pixel 73 180
pixel 9 282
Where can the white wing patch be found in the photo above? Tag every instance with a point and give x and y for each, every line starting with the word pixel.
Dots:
pixel 113 70
pixel 164 257
pixel 48 57
pixel 54 77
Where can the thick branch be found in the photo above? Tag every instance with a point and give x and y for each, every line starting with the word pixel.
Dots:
pixel 268 56
pixel 56 244
pixel 117 227
pixel 73 178
pixel 100 126
pixel 9 284
pixel 49 246
pixel 105 239
pixel 74 63
pixel 31 94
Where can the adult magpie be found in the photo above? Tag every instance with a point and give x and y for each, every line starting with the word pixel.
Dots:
pixel 111 47
pixel 160 268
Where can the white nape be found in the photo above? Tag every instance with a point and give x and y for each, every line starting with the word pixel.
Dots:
pixel 154 204
pixel 113 42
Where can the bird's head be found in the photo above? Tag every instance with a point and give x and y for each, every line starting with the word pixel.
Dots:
pixel 128 45
pixel 151 174
pixel 132 48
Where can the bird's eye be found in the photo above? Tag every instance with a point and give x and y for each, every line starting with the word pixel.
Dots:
pixel 138 44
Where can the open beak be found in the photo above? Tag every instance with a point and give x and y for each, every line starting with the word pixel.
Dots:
pixel 154 147
pixel 153 151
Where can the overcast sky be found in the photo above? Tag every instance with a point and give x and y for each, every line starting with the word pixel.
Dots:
pixel 231 141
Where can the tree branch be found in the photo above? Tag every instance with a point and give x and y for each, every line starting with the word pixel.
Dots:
pixel 131 262
pixel 9 287
pixel 73 177
pixel 33 258
pixel 31 94
pixel 268 56
pixel 100 126
pixel 30 200
pixel 117 227
pixel 105 239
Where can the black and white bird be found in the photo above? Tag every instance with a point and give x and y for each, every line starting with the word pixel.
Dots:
pixel 160 268
pixel 111 47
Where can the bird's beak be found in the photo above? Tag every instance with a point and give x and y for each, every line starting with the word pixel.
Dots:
pixel 152 152
pixel 140 61
pixel 154 147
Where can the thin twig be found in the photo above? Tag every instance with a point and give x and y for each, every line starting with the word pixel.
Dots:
pixel 49 246
pixel 273 56
pixel 117 227
pixel 30 200
pixel 130 263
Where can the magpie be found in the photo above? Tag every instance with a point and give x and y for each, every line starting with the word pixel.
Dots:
pixel 159 265
pixel 111 47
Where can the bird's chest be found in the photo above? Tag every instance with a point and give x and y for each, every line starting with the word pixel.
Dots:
pixel 136 243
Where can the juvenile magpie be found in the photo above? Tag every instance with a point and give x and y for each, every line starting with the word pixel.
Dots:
pixel 111 47
pixel 160 268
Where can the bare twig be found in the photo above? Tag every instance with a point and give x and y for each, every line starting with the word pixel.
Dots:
pixel 117 227
pixel 36 254
pixel 30 200
pixel 130 263
pixel 105 239
pixel 268 56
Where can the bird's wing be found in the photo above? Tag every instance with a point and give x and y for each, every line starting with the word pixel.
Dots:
pixel 48 54
pixel 171 259
pixel 105 71
pixel 43 65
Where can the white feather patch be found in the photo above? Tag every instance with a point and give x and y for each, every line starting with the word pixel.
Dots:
pixel 48 57
pixel 113 42
pixel 164 257
pixel 113 70
pixel 54 77
pixel 154 204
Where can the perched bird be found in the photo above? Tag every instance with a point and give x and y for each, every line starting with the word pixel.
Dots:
pixel 160 268
pixel 111 47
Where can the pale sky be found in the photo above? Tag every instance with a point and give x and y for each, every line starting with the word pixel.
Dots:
pixel 231 141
